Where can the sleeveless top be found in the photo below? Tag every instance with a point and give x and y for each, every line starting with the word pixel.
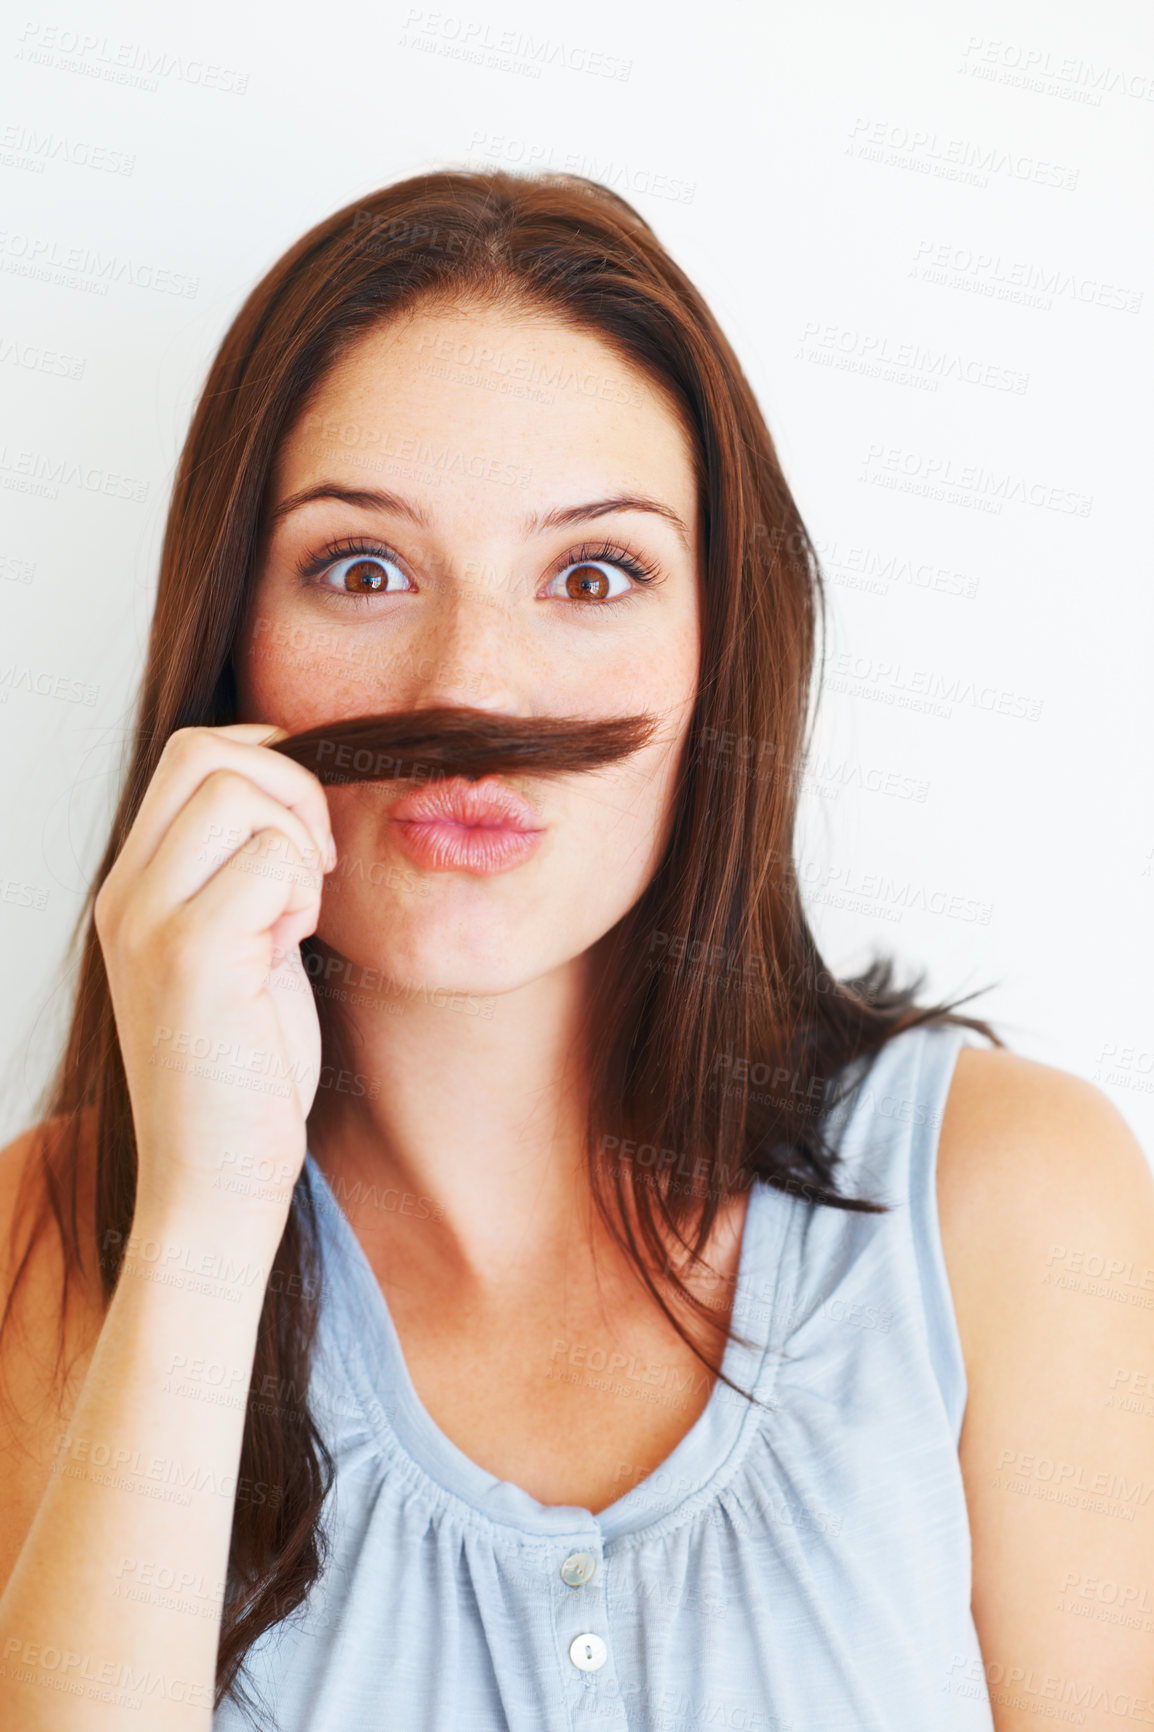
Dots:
pixel 800 1566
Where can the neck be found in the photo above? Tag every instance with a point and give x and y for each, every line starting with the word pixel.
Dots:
pixel 458 1131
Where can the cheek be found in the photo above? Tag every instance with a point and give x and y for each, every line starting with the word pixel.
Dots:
pixel 297 676
pixel 358 812
pixel 269 674
pixel 617 826
pixel 372 889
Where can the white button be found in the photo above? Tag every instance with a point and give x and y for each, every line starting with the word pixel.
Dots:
pixel 588 1652
pixel 578 1568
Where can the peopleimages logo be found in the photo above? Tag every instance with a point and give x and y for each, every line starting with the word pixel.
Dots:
pixel 24 147
pixel 613 172
pixel 963 483
pixel 1040 69
pixel 874 355
pixel 922 150
pixel 1020 281
pixel 51 473
pixel 119 62
pixel 476 40
pixel 31 358
pixel 85 268
pixel 14 678
pixel 889 682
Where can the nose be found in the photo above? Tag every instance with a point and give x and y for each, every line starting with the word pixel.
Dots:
pixel 467 653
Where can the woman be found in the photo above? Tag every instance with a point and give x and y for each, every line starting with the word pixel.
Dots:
pixel 517 1285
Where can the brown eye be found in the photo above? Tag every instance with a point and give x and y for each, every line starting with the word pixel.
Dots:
pixel 364 577
pixel 361 574
pixel 586 583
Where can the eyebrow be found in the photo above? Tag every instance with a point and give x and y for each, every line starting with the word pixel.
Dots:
pixel 560 517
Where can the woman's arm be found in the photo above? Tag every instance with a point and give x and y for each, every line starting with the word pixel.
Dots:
pixel 111 1617
pixel 199 921
pixel 1047 1212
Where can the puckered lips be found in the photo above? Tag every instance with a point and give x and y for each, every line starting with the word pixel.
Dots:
pixel 460 826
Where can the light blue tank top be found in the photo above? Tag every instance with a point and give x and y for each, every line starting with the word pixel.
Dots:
pixel 801 1569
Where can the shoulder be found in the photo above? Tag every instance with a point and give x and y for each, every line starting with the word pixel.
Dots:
pixel 1046 1205
pixel 42 1364
pixel 22 1162
pixel 1033 1164
pixel 21 1199
pixel 32 1260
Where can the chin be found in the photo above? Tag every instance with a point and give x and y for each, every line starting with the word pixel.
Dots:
pixel 424 957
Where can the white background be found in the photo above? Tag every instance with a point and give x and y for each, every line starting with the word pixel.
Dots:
pixel 898 213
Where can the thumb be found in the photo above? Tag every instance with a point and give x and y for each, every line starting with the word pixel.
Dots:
pixel 255 733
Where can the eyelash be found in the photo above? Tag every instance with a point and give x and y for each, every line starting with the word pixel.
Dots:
pixel 313 565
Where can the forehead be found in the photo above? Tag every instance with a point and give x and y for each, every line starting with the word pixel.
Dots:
pixel 472 408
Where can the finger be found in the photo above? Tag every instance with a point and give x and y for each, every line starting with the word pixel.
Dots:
pixel 192 755
pixel 221 819
pixel 253 733
pixel 253 890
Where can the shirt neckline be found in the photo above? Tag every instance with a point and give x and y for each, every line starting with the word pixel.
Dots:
pixel 685 1475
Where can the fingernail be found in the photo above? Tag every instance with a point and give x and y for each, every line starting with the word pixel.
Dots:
pixel 330 855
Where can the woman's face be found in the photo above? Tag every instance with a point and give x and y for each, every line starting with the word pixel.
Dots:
pixel 506 470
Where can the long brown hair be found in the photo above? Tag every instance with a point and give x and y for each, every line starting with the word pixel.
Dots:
pixel 712 975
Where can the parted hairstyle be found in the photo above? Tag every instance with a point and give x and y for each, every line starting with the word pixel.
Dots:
pixel 712 978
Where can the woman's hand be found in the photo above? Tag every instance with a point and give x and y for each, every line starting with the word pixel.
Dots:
pixel 199 922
